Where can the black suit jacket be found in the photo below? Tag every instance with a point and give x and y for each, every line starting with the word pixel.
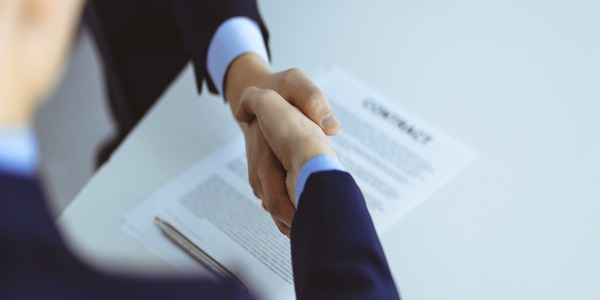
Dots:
pixel 335 252
pixel 144 45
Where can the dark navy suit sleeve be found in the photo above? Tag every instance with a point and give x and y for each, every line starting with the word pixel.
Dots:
pixel 36 264
pixel 336 253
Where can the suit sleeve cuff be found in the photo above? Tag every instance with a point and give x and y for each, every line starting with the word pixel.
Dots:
pixel 233 38
pixel 318 163
pixel 18 150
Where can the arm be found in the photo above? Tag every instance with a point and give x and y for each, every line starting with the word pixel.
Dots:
pixel 230 36
pixel 335 250
pixel 35 262
pixel 200 20
pixel 266 173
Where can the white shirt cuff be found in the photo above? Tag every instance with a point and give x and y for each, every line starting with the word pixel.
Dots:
pixel 18 150
pixel 318 163
pixel 233 38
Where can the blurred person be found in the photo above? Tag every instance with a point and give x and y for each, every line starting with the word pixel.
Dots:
pixel 335 250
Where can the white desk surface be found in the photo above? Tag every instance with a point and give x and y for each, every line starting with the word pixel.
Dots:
pixel 516 80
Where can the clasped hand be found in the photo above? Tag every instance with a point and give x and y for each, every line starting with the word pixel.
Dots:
pixel 285 119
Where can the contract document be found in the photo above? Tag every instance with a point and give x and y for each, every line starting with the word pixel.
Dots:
pixel 396 158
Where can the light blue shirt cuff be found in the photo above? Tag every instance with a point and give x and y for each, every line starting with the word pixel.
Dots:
pixel 233 38
pixel 18 150
pixel 323 162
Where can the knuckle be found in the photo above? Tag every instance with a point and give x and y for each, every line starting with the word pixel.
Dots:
pixel 255 192
pixel 284 229
pixel 252 178
pixel 314 99
pixel 293 72
pixel 266 95
pixel 256 187
pixel 290 75
pixel 248 91
pixel 281 228
pixel 276 209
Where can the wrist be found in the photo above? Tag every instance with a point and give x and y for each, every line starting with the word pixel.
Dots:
pixel 311 148
pixel 246 70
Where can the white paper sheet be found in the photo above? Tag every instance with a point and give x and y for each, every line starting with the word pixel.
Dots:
pixel 396 158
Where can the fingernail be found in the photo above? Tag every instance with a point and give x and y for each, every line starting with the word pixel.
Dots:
pixel 329 121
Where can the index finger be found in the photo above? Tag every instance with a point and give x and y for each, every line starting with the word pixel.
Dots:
pixel 254 102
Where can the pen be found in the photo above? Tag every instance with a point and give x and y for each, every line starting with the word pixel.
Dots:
pixel 193 250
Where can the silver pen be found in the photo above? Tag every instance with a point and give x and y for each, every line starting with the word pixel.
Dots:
pixel 195 252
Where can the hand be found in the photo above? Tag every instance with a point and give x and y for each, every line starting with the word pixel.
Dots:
pixel 34 36
pixel 293 138
pixel 266 173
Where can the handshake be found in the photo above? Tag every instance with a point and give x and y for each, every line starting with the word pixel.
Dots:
pixel 284 116
pixel 285 119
